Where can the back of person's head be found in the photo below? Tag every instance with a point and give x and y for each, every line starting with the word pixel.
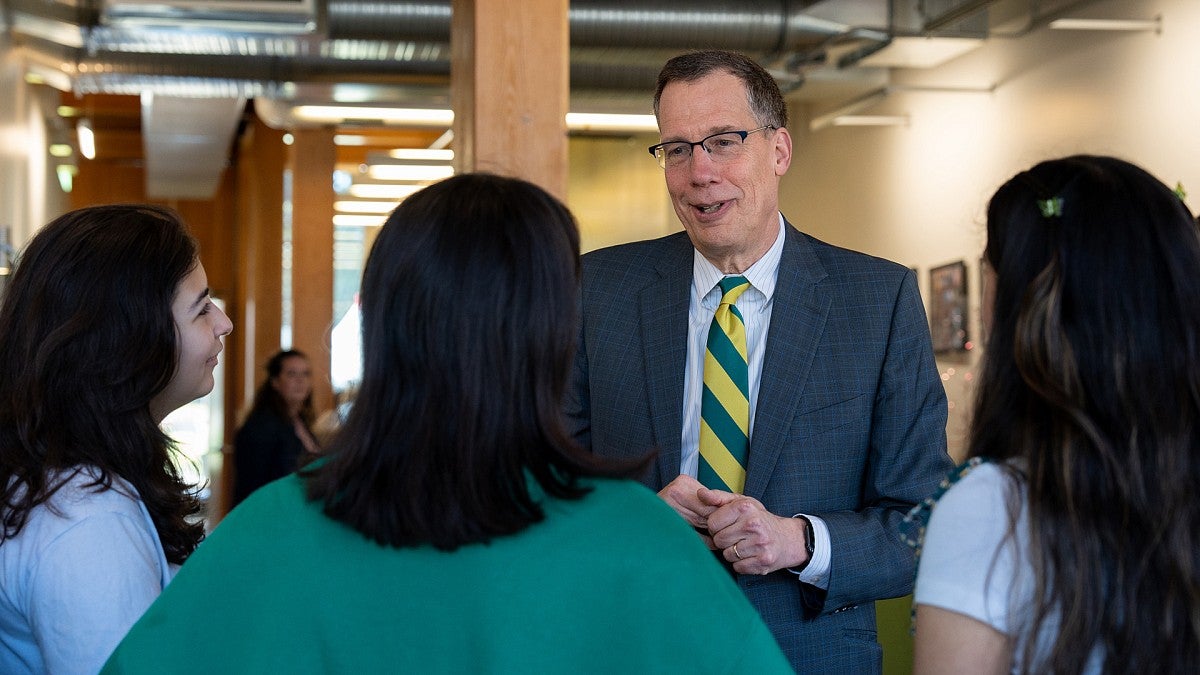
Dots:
pixel 469 322
pixel 87 339
pixel 1092 384
pixel 762 91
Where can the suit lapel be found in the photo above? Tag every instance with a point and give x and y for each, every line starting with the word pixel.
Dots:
pixel 664 320
pixel 798 315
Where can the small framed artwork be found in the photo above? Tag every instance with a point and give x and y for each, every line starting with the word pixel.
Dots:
pixel 948 311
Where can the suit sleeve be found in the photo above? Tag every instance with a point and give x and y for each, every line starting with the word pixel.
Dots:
pixel 906 459
pixel 577 402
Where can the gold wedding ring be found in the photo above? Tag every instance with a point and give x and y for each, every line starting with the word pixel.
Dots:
pixel 735 552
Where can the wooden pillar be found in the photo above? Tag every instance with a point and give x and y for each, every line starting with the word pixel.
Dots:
pixel 258 313
pixel 255 305
pixel 313 159
pixel 509 79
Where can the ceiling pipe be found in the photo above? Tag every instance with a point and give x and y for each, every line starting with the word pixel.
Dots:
pixel 748 25
pixel 614 46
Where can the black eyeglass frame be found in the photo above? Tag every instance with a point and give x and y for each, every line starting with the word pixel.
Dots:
pixel 743 134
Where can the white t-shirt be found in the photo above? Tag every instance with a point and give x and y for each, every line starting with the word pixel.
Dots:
pixel 73 582
pixel 970 565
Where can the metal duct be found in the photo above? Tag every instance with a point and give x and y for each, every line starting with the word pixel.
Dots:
pixel 613 46
pixel 388 20
pixel 749 25
pixel 217 59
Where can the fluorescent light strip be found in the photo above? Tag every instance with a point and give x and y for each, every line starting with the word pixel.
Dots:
pixel 611 122
pixel 413 172
pixel 66 177
pixel 346 220
pixel 336 113
pixel 1154 24
pixel 434 155
pixel 379 191
pixel 87 139
pixel 351 206
pixel 441 117
pixel 871 121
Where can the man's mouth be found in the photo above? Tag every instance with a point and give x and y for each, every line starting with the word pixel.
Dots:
pixel 710 208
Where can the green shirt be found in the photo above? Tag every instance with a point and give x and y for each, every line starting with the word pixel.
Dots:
pixel 613 583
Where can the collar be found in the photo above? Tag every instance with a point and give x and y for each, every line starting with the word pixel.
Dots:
pixel 762 274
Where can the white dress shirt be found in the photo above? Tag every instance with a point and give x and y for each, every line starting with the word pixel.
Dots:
pixel 755 306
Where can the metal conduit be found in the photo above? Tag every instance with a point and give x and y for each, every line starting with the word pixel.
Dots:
pixel 614 46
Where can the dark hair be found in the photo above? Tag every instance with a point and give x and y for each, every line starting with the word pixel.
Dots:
pixel 762 91
pixel 1091 382
pixel 87 339
pixel 268 398
pixel 469 322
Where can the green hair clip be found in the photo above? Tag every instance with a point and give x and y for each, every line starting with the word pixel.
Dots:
pixel 1180 192
pixel 1051 207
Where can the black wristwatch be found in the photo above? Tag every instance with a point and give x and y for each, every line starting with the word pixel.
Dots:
pixel 808 542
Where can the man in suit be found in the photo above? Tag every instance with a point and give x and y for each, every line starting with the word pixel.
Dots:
pixel 847 414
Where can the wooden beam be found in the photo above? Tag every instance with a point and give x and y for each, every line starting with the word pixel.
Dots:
pixel 313 159
pixel 509 78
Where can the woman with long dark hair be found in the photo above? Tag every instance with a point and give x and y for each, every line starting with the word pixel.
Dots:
pixel 105 328
pixel 277 436
pixel 1076 548
pixel 455 526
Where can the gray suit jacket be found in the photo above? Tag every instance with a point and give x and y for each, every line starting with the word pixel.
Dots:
pixel 850 423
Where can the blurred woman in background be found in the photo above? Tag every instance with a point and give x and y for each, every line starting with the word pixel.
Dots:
pixel 277 436
pixel 105 328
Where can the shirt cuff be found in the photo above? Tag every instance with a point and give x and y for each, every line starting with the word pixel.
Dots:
pixel 816 572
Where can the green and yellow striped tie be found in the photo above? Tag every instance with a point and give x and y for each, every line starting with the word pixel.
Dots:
pixel 725 401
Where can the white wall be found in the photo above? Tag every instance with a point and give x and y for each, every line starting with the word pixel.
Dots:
pixel 616 191
pixel 917 194
pixel 29 191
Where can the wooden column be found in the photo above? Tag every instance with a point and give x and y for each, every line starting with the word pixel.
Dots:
pixel 259 311
pixel 255 265
pixel 509 78
pixel 313 159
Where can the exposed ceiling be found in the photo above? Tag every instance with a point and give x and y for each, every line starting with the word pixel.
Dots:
pixel 194 63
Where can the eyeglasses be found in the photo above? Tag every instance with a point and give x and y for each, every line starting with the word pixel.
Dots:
pixel 721 147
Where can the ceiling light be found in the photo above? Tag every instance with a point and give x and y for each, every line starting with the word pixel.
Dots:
pixel 871 121
pixel 611 122
pixel 919 52
pixel 87 139
pixel 333 114
pixel 352 206
pixel 346 220
pixel 66 176
pixel 61 150
pixel 444 140
pixel 343 113
pixel 861 103
pixel 382 191
pixel 1154 24
pixel 422 154
pixel 409 172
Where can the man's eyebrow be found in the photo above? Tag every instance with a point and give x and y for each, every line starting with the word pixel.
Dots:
pixel 712 131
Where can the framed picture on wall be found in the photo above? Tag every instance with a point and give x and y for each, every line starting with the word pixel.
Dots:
pixel 948 310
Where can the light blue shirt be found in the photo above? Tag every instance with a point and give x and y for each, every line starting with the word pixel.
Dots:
pixel 76 578
pixel 755 306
